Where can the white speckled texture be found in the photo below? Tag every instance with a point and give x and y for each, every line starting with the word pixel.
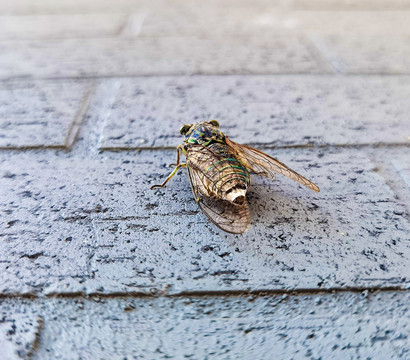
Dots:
pixel 95 265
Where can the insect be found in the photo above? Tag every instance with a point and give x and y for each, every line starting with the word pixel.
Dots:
pixel 219 172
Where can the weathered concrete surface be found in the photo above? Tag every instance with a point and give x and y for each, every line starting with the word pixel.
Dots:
pixel 40 114
pixel 98 226
pixel 60 26
pixel 392 165
pixel 324 325
pixel 65 7
pixel 366 54
pixel 275 110
pixel 358 5
pixel 194 20
pixel 402 165
pixel 174 56
pixel 19 332
pixel 95 265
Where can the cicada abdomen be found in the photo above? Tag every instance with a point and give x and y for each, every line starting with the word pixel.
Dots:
pixel 222 174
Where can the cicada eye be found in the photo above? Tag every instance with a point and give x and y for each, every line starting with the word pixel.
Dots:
pixel 214 123
pixel 184 129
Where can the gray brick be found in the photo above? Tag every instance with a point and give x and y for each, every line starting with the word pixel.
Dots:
pixel 401 163
pixel 18 333
pixel 328 326
pixel 230 4
pixel 391 164
pixel 254 21
pixel 276 110
pixel 40 246
pixel 40 253
pixel 366 54
pixel 350 23
pixel 74 224
pixel 64 7
pixel 60 26
pixel 24 7
pixel 208 21
pixel 112 57
pixel 298 241
pixel 95 265
pixel 37 114
pixel 351 4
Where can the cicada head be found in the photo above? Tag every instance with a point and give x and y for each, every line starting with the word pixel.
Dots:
pixel 202 132
pixel 187 129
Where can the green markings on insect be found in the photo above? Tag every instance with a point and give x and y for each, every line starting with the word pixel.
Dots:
pixel 218 162
pixel 231 166
pixel 221 191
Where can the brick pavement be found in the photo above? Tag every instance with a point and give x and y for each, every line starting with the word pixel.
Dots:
pixel 94 265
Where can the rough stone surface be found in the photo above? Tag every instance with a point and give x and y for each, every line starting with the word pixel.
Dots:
pixel 276 110
pixel 401 162
pixel 94 265
pixel 194 20
pixel 197 20
pixel 39 114
pixel 99 227
pixel 51 7
pixel 60 26
pixel 329 326
pixel 115 57
pixel 18 332
pixel 366 54
pixel 350 23
pixel 358 5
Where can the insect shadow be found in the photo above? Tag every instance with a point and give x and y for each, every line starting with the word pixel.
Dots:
pixel 219 171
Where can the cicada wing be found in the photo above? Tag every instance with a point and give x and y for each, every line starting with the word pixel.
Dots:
pixel 262 164
pixel 231 218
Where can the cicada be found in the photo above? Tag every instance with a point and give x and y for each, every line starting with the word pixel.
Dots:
pixel 219 172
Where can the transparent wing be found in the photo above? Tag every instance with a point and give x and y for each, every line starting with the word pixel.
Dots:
pixel 262 164
pixel 231 218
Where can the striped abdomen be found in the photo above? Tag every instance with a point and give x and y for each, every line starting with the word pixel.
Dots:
pixel 223 175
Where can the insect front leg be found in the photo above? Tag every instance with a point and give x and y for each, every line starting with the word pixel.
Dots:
pixel 180 148
pixel 178 165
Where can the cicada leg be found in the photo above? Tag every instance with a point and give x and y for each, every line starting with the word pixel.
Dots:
pixel 178 165
pixel 180 148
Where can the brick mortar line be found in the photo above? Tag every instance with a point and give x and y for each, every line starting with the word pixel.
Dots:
pixel 102 118
pixel 331 73
pixel 333 61
pixel 268 146
pixel 396 183
pixel 32 147
pixel 121 32
pixel 350 9
pixel 57 38
pixel 204 294
pixel 50 11
pixel 167 148
pixel 37 337
pixel 319 55
pixel 75 126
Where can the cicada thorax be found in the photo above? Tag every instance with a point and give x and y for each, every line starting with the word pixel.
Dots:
pixel 224 176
